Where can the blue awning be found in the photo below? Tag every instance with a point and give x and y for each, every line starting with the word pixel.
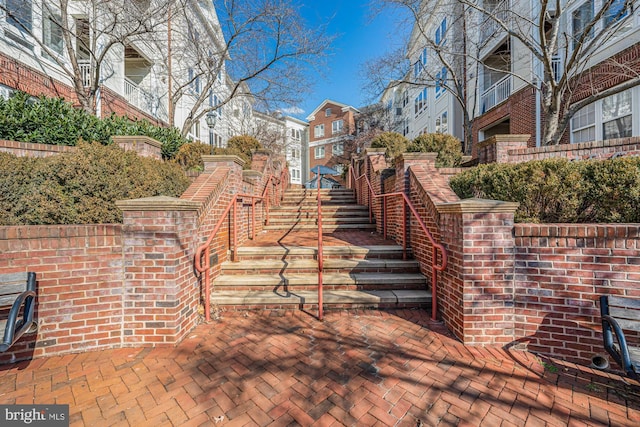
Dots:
pixel 324 170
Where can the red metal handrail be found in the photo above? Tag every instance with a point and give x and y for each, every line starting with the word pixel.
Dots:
pixel 435 246
pixel 320 253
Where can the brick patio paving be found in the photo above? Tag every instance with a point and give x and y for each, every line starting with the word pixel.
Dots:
pixel 355 368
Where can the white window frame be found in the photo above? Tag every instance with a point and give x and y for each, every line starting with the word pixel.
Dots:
pixel 319 152
pixel 318 131
pixel 337 148
pixel 337 126
pixel 585 126
pixel 441 32
pixel 327 112
pixel 51 15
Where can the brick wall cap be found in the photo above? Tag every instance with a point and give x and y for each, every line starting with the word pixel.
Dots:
pixel 523 138
pixel 222 158
pixel 157 203
pixel 475 205
pixel 251 174
pixel 418 156
pixel 125 139
pixel 373 151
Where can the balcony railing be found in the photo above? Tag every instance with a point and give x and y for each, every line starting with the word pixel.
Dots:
pixel 498 12
pixel 85 72
pixel 497 93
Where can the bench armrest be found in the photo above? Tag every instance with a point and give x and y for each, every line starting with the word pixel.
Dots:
pixel 26 299
pixel 621 355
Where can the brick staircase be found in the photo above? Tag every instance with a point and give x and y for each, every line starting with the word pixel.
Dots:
pixel 280 269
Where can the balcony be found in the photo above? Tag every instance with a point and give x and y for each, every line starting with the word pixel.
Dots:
pixel 495 94
pixel 85 72
pixel 494 12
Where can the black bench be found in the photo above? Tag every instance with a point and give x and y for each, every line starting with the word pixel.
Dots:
pixel 619 314
pixel 18 291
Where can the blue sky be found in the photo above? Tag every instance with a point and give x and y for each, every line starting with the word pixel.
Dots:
pixel 359 37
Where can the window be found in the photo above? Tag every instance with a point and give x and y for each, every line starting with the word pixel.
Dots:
pixel 337 126
pixel 616 12
pixel 441 32
pixel 444 127
pixel 339 168
pixel 580 18
pixel 20 14
pixel 583 124
pixel 438 124
pixel 327 112
pixel 319 152
pixel 51 30
pixel 318 131
pixel 420 64
pixel 441 81
pixel 338 148
pixel 295 174
pixel 616 116
pixel 295 153
pixel 420 102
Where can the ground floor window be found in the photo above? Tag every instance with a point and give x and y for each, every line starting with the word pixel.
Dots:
pixel 608 118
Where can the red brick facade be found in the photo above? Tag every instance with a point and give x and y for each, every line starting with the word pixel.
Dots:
pixel 18 75
pixel 532 285
pixel 115 285
pixel 337 112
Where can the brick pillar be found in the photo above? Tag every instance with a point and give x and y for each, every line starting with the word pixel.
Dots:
pixel 143 145
pixel 476 299
pixel 161 292
pixel 496 148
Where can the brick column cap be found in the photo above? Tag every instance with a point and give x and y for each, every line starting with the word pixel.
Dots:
pixel 251 175
pixel 419 156
pixel 375 150
pixel 157 203
pixel 475 205
pixel 222 158
pixel 522 138
pixel 146 139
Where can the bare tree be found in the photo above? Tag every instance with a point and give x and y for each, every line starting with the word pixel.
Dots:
pixel 561 43
pixel 445 47
pixel 564 39
pixel 263 44
pixel 83 37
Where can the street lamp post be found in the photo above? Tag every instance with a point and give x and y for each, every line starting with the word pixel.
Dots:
pixel 210 119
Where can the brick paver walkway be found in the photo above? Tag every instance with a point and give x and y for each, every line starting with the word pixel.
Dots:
pixel 355 368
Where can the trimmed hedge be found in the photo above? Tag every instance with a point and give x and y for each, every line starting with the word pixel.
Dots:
pixel 448 147
pixel 558 190
pixel 53 121
pixel 81 187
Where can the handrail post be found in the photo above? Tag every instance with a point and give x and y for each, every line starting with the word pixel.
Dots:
pixel 404 229
pixel 320 252
pixel 207 285
pixel 384 217
pixel 434 272
pixel 253 218
pixel 235 229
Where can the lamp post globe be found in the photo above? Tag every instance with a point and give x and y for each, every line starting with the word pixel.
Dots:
pixel 211 119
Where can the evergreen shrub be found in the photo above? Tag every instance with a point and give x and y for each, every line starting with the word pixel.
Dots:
pixel 448 147
pixel 81 187
pixel 53 121
pixel 558 190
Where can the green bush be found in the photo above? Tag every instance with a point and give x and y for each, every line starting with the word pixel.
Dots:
pixel 448 147
pixel 558 190
pixel 242 146
pixel 54 121
pixel 81 187
pixel 189 156
pixel 393 142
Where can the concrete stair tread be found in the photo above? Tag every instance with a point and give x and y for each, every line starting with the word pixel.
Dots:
pixel 313 250
pixel 329 264
pixel 325 227
pixel 293 279
pixel 329 297
pixel 311 263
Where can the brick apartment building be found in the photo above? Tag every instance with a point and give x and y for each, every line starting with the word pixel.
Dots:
pixel 332 129
pixel 504 78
